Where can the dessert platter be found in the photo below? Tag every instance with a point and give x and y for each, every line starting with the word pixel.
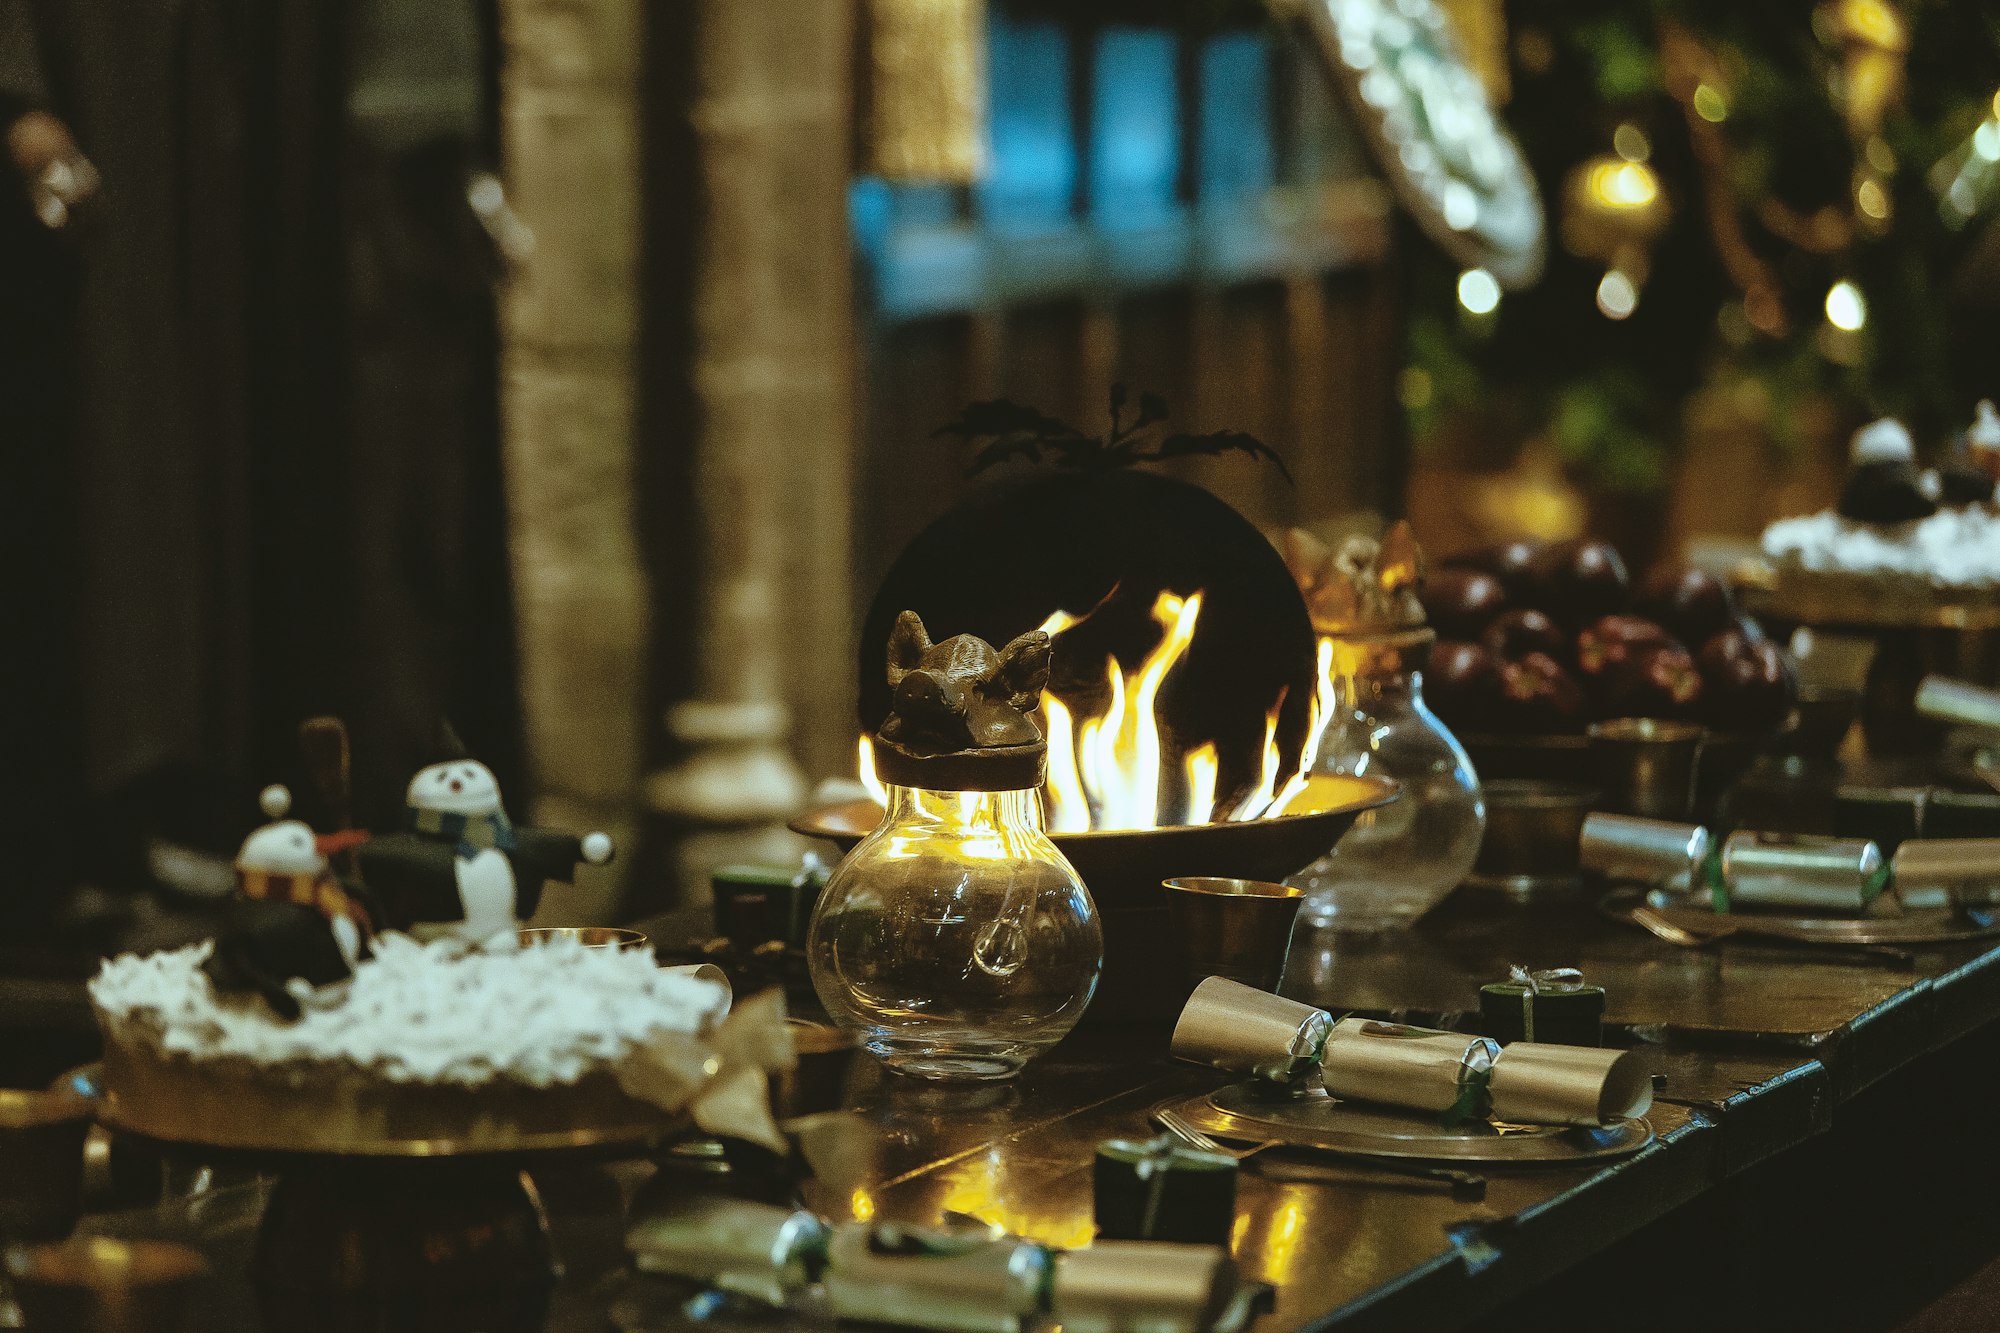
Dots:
pixel 1903 547
pixel 436 1049
pixel 398 1013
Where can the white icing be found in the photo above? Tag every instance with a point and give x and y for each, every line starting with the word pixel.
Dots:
pixel 1884 441
pixel 543 1015
pixel 1953 548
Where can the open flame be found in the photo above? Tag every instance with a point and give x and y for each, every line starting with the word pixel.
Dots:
pixel 1105 771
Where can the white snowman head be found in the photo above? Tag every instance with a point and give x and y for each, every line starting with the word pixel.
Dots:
pixel 284 846
pixel 460 787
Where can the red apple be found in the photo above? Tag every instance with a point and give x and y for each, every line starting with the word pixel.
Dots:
pixel 1461 602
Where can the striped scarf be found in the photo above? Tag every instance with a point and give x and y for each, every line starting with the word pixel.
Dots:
pixel 315 889
pixel 472 833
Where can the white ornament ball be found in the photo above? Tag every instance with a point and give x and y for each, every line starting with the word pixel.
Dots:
pixel 274 800
pixel 597 848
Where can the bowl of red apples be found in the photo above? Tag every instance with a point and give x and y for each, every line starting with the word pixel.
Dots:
pixel 1536 641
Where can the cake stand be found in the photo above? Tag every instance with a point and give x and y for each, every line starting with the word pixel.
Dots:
pixel 1917 632
pixel 369 1229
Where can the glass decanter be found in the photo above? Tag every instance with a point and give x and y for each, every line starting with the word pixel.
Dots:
pixel 1397 862
pixel 955 940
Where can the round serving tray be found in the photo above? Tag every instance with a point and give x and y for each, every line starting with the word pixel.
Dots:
pixel 1249 1112
pixel 170 1103
pixel 1845 601
pixel 1905 928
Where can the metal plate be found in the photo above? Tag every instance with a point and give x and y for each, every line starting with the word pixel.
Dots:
pixel 1907 928
pixel 1262 1113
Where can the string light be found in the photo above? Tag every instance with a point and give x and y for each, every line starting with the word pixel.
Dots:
pixel 1845 309
pixel 1617 295
pixel 1478 291
pixel 1624 184
pixel 1710 105
pixel 1986 140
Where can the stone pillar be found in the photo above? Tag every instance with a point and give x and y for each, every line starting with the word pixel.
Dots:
pixel 765 418
pixel 570 331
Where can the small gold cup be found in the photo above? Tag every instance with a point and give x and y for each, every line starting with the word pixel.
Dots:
pixel 590 937
pixel 818 1082
pixel 41 1162
pixel 1646 766
pixel 105 1286
pixel 1235 928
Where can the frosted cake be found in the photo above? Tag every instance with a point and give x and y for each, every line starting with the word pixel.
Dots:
pixel 429 1048
pixel 1900 533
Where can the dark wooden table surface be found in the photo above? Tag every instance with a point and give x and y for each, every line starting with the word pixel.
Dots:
pixel 1763 1049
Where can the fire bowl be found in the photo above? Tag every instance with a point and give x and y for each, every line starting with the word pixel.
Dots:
pixel 1124 870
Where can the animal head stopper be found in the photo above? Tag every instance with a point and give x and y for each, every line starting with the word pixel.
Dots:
pixel 960 718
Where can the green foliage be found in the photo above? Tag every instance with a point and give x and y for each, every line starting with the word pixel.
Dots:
pixel 1609 394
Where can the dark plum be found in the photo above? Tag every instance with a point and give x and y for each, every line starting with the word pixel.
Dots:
pixel 1581 581
pixel 1654 680
pixel 1460 603
pixel 1462 682
pixel 1612 639
pixel 1691 603
pixel 1517 633
pixel 1749 689
pixel 1537 695
pixel 1513 563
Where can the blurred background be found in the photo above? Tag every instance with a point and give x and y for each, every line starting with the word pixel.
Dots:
pixel 570 369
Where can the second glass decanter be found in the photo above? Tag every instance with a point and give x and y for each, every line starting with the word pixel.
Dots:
pixel 955 940
pixel 1397 862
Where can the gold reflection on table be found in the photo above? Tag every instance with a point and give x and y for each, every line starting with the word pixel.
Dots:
pixel 978 1187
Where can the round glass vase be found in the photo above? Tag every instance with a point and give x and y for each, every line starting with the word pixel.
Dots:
pixel 1397 862
pixel 955 941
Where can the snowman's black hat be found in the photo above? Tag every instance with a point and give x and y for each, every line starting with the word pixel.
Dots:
pixel 446 745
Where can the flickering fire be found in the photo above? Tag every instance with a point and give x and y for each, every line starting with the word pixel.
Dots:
pixel 1105 771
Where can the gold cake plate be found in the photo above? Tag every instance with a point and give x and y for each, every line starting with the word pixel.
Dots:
pixel 1261 1113
pixel 1864 601
pixel 237 1107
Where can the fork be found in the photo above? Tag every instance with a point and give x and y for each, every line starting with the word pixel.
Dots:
pixel 1675 933
pixel 1463 1184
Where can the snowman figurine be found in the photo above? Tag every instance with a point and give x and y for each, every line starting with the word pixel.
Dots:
pixel 461 869
pixel 294 932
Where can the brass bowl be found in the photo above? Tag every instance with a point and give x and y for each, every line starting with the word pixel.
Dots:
pixel 590 937
pixel 1533 837
pixel 41 1162
pixel 1125 868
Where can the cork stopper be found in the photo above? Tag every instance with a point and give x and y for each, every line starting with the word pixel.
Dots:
pixel 960 712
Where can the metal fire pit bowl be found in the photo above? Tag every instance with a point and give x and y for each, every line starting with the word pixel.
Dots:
pixel 1124 870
